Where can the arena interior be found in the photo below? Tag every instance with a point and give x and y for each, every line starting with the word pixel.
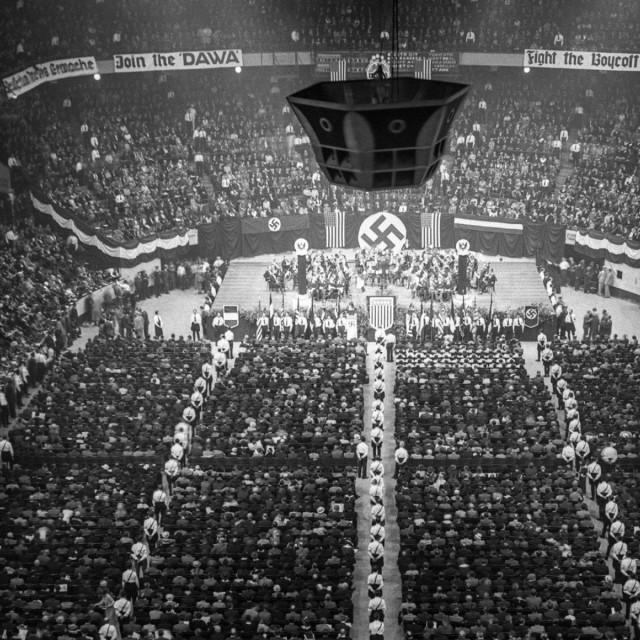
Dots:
pixel 240 402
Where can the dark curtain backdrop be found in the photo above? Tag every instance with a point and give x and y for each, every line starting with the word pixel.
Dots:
pixel 492 243
pixel 222 238
pixel 255 244
pixel 549 239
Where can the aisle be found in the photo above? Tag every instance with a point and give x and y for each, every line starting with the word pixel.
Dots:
pixel 360 599
pixel 391 573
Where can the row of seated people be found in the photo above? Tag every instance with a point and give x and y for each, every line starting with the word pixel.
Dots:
pixel 279 558
pixel 41 282
pixel 602 375
pixel 103 29
pixel 457 401
pixel 119 396
pixel 303 399
pixel 114 174
pixel 507 552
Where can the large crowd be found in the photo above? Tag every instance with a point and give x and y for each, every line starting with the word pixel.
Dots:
pixel 33 33
pixel 140 155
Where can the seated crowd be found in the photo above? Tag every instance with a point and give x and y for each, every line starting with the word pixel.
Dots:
pixel 115 397
pixel 281 562
pixel 512 552
pixel 603 375
pixel 138 166
pixel 461 400
pixel 36 34
pixel 41 283
pixel 303 399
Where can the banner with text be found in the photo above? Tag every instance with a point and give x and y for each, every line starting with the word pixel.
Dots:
pixel 588 60
pixel 34 76
pixel 177 60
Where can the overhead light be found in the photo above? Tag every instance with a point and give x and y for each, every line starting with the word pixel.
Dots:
pixel 96 76
pixel 238 69
pixel 527 69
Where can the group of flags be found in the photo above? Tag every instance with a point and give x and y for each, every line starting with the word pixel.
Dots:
pixel 323 313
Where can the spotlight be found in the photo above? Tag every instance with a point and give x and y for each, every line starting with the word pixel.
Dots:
pixel 238 69
pixel 527 69
pixel 96 76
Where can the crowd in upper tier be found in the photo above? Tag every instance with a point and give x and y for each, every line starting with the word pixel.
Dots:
pixel 134 156
pixel 36 32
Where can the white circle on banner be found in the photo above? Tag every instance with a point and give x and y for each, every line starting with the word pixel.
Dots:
pixel 274 224
pixel 301 246
pixel 463 247
pixel 382 231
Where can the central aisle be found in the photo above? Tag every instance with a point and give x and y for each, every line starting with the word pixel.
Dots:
pixel 392 589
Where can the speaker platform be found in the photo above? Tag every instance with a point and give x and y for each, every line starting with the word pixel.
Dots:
pixel 378 134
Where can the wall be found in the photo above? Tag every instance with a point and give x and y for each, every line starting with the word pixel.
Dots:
pixel 629 285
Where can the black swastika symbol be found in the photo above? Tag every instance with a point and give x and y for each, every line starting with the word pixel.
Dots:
pixel 383 236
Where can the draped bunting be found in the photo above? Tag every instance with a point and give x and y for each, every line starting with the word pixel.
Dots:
pixel 105 252
pixel 232 238
pixel 613 248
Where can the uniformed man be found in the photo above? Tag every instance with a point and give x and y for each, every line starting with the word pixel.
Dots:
pixel 378 388
pixel 6 453
pixel 380 336
pixel 172 469
pixel 604 492
pixel 594 473
pixel 229 337
pixel 341 326
pixel 124 612
pixel 276 322
pixel 207 374
pixel 300 330
pixel 377 436
pixel 329 326
pixel 218 326
pixel 362 455
pixel 159 500
pixel 377 608
pixel 378 514
pixel 630 594
pixel 508 327
pixel 401 457
pixel 263 326
pixel 390 345
pixel 375 583
pixel 197 400
pixel 220 363
pixel 130 584
pixel 151 530
pixel 541 343
pixel 287 326
pixel 547 359
pixel 140 558
pixel 610 515
pixel 375 551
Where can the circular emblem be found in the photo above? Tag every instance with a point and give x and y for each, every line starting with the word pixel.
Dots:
pixel 462 247
pixel 376 65
pixel 382 231
pixel 274 224
pixel 531 314
pixel 301 246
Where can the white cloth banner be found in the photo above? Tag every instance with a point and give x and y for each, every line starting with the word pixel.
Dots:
pixel 177 60
pixel 604 244
pixel 119 252
pixel 588 60
pixel 34 76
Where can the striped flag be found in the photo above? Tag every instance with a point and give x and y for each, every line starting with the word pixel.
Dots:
pixel 381 311
pixel 430 222
pixel 271 313
pixel 422 69
pixel 338 70
pixel 334 229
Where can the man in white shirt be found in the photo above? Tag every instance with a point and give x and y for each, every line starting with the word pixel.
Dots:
pixel 401 456
pixel 196 320
pixel 362 454
pixel 377 435
pixel 6 448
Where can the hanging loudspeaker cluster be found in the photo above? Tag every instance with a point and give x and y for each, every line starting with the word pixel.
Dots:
pixel 378 134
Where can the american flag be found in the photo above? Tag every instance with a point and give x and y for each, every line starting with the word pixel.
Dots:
pixel 430 222
pixel 334 229
pixel 422 69
pixel 338 70
pixel 381 311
